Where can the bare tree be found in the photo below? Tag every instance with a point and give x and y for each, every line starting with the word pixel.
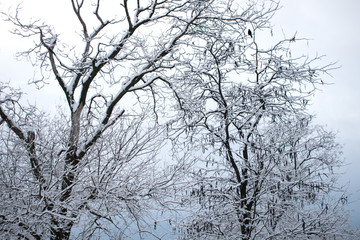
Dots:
pixel 266 171
pixel 90 162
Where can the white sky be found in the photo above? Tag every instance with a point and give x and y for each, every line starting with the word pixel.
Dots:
pixel 334 27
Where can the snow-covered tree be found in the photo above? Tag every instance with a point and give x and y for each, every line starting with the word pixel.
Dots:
pixel 95 160
pixel 136 76
pixel 267 172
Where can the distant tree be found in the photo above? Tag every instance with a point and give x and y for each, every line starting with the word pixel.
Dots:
pixel 267 172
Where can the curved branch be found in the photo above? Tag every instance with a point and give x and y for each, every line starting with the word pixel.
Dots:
pixel 30 144
pixel 127 14
pixel 12 125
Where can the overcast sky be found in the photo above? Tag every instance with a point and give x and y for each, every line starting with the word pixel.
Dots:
pixel 332 25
